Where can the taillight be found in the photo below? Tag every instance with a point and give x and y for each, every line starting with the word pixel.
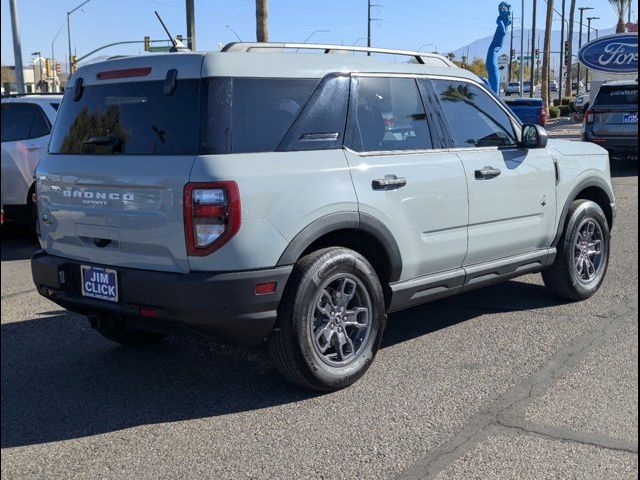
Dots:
pixel 211 215
pixel 543 116
pixel 588 116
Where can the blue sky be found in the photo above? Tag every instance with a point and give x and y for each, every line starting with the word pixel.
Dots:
pixel 408 24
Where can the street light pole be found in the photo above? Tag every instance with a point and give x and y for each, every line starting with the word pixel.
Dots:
pixel 582 9
pixel 313 33
pixel 17 48
pixel 69 33
pixel 234 32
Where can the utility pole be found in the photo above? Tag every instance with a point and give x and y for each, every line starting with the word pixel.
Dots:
pixel 522 52
pixel 262 21
pixel 191 26
pixel 17 48
pixel 582 9
pixel 533 48
pixel 562 59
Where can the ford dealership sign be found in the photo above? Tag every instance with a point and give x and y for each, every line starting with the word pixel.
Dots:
pixel 613 53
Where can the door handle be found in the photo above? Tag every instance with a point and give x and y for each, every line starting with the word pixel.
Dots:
pixel 487 173
pixel 389 182
pixel 32 148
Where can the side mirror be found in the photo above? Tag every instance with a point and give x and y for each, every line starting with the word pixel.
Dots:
pixel 534 136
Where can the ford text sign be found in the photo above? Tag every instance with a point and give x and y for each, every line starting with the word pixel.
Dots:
pixel 613 54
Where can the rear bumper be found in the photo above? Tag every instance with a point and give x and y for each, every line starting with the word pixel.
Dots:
pixel 616 146
pixel 222 306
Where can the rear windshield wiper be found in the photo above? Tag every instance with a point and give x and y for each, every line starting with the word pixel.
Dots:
pixel 105 140
pixel 101 140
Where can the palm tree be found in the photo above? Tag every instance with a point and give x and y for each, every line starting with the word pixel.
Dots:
pixel 546 57
pixel 572 13
pixel 262 16
pixel 451 56
pixel 620 6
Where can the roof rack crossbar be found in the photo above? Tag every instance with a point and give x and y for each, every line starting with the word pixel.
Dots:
pixel 327 48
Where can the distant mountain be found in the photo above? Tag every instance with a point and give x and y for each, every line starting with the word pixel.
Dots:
pixel 478 48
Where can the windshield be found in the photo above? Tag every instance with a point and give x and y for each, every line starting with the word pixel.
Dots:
pixel 617 96
pixel 132 118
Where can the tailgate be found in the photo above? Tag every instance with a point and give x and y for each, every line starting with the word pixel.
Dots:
pixel 615 123
pixel 125 138
pixel 107 216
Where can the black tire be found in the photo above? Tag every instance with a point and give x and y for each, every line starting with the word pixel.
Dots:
pixel 563 278
pixel 118 331
pixel 292 346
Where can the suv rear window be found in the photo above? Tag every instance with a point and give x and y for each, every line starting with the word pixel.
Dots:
pixel 132 118
pixel 252 114
pixel 627 95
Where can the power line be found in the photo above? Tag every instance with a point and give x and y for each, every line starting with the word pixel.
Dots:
pixel 436 23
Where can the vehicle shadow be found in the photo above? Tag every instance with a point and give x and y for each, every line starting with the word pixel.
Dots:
pixel 61 380
pixel 624 168
pixel 18 242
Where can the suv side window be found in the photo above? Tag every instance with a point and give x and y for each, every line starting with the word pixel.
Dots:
pixel 388 115
pixel 475 119
pixel 22 121
pixel 320 125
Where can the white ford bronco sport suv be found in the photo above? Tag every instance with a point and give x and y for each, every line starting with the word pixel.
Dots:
pixel 254 194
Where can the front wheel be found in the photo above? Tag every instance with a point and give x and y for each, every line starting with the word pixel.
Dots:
pixel 583 253
pixel 330 320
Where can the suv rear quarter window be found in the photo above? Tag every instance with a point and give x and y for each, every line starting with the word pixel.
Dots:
pixel 247 115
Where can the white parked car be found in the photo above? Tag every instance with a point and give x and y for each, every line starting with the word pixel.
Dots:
pixel 512 88
pixel 26 127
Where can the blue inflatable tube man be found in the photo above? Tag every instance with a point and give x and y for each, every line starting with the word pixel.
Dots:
pixel 503 21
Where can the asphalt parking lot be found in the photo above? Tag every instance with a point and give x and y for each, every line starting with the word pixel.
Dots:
pixel 505 382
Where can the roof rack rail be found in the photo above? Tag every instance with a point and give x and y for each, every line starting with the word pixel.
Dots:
pixel 16 95
pixel 418 56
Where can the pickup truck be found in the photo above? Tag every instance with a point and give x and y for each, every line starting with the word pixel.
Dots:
pixel 528 110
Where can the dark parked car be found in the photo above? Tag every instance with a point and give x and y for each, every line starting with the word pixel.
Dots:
pixel 528 110
pixel 612 120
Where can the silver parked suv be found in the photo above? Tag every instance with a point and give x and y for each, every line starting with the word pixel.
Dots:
pixel 299 198
pixel 612 121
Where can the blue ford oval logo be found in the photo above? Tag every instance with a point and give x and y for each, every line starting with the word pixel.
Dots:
pixel 613 53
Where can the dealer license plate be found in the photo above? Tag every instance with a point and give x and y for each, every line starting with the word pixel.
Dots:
pixel 630 118
pixel 98 282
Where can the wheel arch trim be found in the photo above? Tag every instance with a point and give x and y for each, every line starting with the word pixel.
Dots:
pixel 339 221
pixel 590 182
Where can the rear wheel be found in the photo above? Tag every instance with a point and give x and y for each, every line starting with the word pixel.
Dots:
pixel 330 320
pixel 583 253
pixel 118 331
